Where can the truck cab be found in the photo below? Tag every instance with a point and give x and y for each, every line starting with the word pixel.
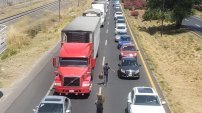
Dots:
pixel 74 69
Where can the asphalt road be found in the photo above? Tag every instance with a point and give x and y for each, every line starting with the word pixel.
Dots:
pixel 115 93
pixel 194 23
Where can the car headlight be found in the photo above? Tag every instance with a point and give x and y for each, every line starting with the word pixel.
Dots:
pixel 137 71
pixel 123 71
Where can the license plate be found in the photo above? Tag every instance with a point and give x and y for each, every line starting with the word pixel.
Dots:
pixel 130 74
pixel 71 91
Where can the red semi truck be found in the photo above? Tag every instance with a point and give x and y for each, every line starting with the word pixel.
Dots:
pixel 75 66
pixel 77 58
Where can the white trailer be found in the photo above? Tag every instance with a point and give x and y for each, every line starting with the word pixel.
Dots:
pixel 94 13
pixel 102 6
pixel 83 29
pixel 3 30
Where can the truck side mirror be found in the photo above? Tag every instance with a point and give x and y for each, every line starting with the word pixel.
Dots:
pixel 93 62
pixel 56 73
pixel 55 62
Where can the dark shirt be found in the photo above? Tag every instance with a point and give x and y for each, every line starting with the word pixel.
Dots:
pixel 106 68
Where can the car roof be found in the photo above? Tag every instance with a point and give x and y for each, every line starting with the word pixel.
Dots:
pixel 144 91
pixel 54 99
pixel 121 25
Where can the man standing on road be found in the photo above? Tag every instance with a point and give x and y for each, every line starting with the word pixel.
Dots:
pixel 105 69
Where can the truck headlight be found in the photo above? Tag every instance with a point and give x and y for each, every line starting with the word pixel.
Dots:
pixel 57 84
pixel 123 71
pixel 85 84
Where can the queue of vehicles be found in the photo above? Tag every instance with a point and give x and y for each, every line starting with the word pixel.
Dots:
pixel 75 63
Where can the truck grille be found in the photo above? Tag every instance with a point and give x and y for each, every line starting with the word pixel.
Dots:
pixel 71 81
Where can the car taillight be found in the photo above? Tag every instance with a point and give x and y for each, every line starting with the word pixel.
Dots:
pixel 58 84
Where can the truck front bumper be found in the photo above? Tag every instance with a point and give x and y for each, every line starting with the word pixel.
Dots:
pixel 68 90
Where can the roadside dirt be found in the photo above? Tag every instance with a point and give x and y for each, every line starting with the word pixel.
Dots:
pixel 14 68
pixel 175 60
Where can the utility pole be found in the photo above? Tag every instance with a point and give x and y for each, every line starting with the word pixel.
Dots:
pixel 162 17
pixel 59 10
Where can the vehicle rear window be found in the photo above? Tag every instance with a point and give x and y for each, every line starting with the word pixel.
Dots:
pixel 146 100
pixel 129 48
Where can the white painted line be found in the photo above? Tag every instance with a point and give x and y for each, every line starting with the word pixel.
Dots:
pixel 100 91
pixel 103 61
pixel 107 30
pixel 108 23
pixel 51 87
pixel 186 19
pixel 197 25
pixel 105 42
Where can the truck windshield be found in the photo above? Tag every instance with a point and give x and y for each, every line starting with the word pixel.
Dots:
pixel 50 108
pixel 64 62
pixel 79 37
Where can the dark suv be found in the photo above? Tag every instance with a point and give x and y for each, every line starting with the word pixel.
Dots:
pixel 129 68
pixel 54 104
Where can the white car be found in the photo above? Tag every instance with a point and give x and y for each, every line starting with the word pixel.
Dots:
pixel 120 21
pixel 117 14
pixel 144 100
pixel 120 28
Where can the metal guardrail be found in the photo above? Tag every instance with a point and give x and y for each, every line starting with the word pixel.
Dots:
pixel 3 30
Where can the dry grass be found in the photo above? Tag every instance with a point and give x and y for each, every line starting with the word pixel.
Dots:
pixel 11 10
pixel 32 40
pixel 198 13
pixel 175 59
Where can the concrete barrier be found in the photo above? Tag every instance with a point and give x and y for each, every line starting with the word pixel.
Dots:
pixel 3 30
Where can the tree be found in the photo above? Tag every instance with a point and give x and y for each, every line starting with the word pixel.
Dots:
pixel 172 10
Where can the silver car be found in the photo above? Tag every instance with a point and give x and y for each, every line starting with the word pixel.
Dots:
pixel 54 104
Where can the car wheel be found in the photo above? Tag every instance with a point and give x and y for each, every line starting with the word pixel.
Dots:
pixel 119 74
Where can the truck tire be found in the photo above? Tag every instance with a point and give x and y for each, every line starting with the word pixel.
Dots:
pixel 92 74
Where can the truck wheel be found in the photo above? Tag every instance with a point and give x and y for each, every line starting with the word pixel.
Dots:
pixel 92 74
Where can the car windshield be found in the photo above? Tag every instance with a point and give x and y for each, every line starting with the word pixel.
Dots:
pixel 129 62
pixel 118 13
pixel 125 38
pixel 81 62
pixel 50 108
pixel 146 100
pixel 120 21
pixel 121 27
pixel 128 48
pixel 121 33
pixel 120 17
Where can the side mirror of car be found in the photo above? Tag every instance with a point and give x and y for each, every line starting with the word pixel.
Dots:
pixel 163 102
pixel 67 111
pixel 34 110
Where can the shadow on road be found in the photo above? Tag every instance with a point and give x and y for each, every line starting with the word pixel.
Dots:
pixel 1 94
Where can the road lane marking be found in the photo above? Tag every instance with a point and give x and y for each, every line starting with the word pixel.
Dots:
pixel 186 19
pixel 197 25
pixel 140 53
pixel 108 23
pixel 103 60
pixel 107 30
pixel 49 90
pixel 105 42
